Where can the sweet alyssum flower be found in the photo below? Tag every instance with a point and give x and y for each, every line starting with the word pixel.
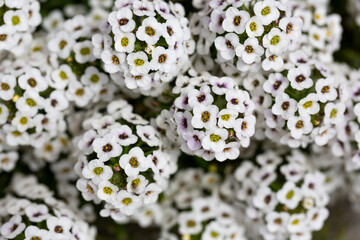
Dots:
pixel 211 114
pixel 153 38
pixel 250 29
pixel 61 222
pixel 131 165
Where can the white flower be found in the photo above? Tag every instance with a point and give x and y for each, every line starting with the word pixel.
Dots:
pixel 61 44
pixel 22 122
pixel 150 31
pixel 317 37
pixel 133 81
pixel 88 190
pixel 122 20
pixel 193 139
pixel 325 89
pixel 250 50
pixel 289 195
pixel 272 61
pixel 136 184
pixel 112 61
pixel 7 37
pixel 276 41
pixel 172 30
pixel 138 63
pixel 226 45
pixel 276 221
pixel 8 161
pixel 284 106
pixel 33 232
pixel 151 193
pixel 213 231
pixel 127 202
pixel 163 59
pixel 12 228
pixel 299 126
pixel 254 27
pixel 316 218
pixel 30 103
pixel 189 223
pixel 214 139
pixel 148 135
pixel 266 11
pixel 275 84
pixel 125 42
pixel 221 85
pixel 134 162
pixel 124 134
pixel 204 116
pixel 292 27
pixel 79 93
pixel 296 223
pixel 309 105
pixel 100 42
pixel 143 8
pixel 16 19
pixel 202 96
pixel 245 127
pixel 334 113
pixel 7 85
pixel 83 51
pixel 59 228
pixel 37 212
pixel 107 147
pixel 62 76
pixel 265 199
pixel 93 78
pixel 97 171
pixel 300 77
pixel 32 80
pixel 216 19
pixel 107 191
pixel 226 118
pixel 235 20
pixel 235 100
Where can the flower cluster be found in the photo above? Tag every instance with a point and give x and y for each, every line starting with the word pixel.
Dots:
pixel 146 43
pixel 199 209
pixel 32 112
pixel 18 19
pixel 321 31
pixel 246 35
pixel 301 105
pixel 284 197
pixel 135 106
pixel 76 69
pixel 212 116
pixel 123 160
pixel 29 211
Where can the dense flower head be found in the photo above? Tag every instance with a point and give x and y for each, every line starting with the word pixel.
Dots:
pixel 246 34
pixel 30 211
pixel 123 160
pixel 322 31
pixel 283 195
pixel 18 19
pixel 199 210
pixel 212 117
pixel 146 43
pixel 299 106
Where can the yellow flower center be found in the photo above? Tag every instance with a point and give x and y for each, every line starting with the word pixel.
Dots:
pixel 107 190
